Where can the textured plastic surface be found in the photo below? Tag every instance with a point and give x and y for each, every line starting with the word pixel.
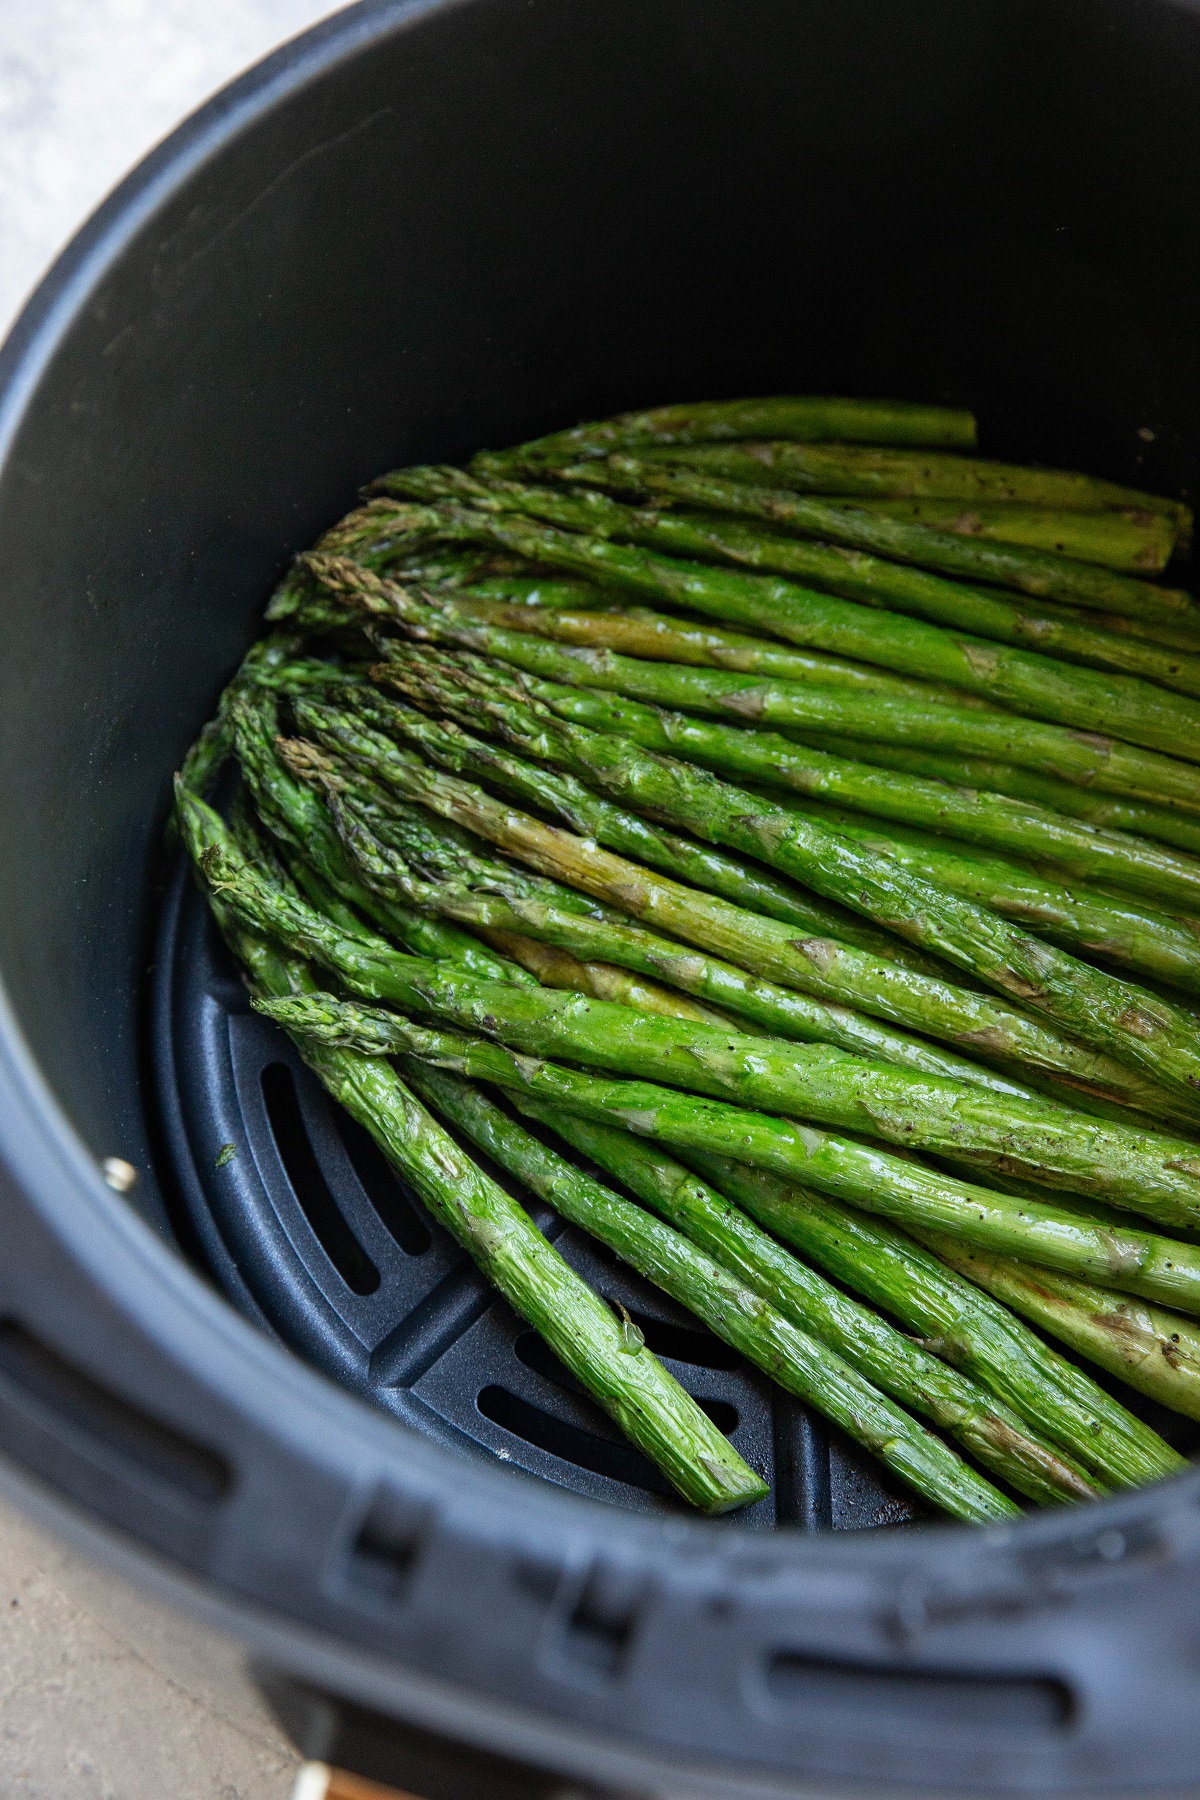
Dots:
pixel 422 228
pixel 310 1231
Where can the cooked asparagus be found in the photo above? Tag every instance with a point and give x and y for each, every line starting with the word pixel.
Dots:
pixel 648 1404
pixel 1153 1350
pixel 986 776
pixel 827 967
pixel 994 1434
pixel 800 1362
pixel 952 1317
pixel 1137 542
pixel 1120 706
pixel 914 474
pixel 800 417
pixel 1042 573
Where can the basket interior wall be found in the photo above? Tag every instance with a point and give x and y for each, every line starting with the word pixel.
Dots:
pixel 635 203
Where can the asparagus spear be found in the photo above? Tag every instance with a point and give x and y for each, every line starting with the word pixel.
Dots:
pixel 1042 573
pixel 500 924
pixel 767 757
pixel 1098 640
pixel 458 876
pixel 1153 1350
pixel 648 1404
pixel 1160 874
pixel 1144 1171
pixel 632 1386
pixel 746 884
pixel 983 774
pixel 795 416
pixel 1120 706
pixel 994 1434
pixel 601 943
pixel 214 745
pixel 558 968
pixel 527 594
pixel 294 814
pixel 824 966
pixel 664 637
pixel 777 760
pixel 1029 1473
pixel 1135 542
pixel 1093 923
pixel 803 706
pixel 962 1324
pixel 735 1311
pixel 914 474
pixel 897 1186
pixel 1056 625
pixel 1154 631
pixel 1115 1016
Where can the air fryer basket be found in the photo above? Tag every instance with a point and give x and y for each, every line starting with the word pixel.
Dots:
pixel 423 228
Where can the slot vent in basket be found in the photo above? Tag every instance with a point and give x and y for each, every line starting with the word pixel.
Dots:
pixel 569 1443
pixel 382 1188
pixel 309 1183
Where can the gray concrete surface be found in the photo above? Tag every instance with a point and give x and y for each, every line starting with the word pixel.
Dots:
pixel 104 1695
pixel 107 1695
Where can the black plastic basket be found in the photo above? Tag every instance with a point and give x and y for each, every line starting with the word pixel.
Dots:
pixel 268 1378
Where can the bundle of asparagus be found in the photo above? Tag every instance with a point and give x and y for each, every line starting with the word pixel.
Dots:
pixel 880 920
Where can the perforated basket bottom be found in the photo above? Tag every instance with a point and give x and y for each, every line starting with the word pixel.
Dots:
pixel 309 1232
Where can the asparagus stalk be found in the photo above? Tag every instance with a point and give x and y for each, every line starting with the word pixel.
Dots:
pixel 746 884
pixel 648 1404
pixel 993 1433
pixel 1114 1016
pixel 448 858
pixel 563 678
pixel 920 474
pixel 1149 943
pixel 736 1312
pixel 1041 573
pixel 664 637
pixel 804 706
pixel 827 541
pixel 296 816
pixel 1153 1350
pixel 823 966
pixel 1138 543
pixel 528 594
pixel 214 745
pixel 986 776
pixel 791 416
pixel 558 968
pixel 1159 646
pixel 1155 632
pixel 951 1315
pixel 1022 1462
pixel 898 1187
pixel 601 943
pixel 774 760
pixel 1143 1171
pixel 1120 706
pixel 499 923
pixel 1029 1471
